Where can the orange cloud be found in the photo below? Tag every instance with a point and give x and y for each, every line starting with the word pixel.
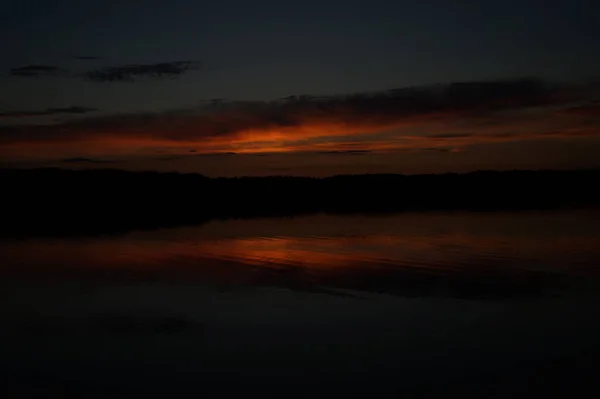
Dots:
pixel 445 117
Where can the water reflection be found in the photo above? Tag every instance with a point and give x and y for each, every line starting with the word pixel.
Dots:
pixel 462 255
pixel 413 305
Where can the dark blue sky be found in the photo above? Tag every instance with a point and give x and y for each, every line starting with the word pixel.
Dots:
pixel 269 49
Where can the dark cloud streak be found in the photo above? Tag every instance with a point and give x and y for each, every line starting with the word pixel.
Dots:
pixel 116 73
pixel 450 135
pixel 344 152
pixel 84 160
pixel 175 157
pixel 47 112
pixel 86 57
pixel 36 70
pixel 131 72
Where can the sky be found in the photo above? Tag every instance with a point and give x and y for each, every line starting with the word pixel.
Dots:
pixel 308 88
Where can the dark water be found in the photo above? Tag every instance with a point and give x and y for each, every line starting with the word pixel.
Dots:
pixel 419 305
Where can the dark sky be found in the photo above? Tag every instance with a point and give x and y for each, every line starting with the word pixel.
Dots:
pixel 265 50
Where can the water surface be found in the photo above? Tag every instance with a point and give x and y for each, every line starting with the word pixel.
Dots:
pixel 414 302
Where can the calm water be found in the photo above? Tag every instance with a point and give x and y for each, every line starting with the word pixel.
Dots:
pixel 418 304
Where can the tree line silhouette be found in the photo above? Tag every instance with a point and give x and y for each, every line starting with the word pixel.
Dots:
pixel 55 201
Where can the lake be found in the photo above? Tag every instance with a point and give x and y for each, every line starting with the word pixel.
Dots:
pixel 414 304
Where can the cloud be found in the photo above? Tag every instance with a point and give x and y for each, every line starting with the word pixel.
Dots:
pixel 216 154
pixel 72 110
pixel 344 152
pixel 442 116
pixel 85 160
pixel 36 71
pixel 131 72
pixel 47 112
pixel 115 73
pixel 440 149
pixel 450 135
pixel 174 157
pixel 592 109
pixel 87 57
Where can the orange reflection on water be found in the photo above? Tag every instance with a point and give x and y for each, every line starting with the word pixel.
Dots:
pixel 446 243
pixel 275 251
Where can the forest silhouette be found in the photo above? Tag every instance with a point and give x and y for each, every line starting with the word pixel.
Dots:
pixel 58 202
